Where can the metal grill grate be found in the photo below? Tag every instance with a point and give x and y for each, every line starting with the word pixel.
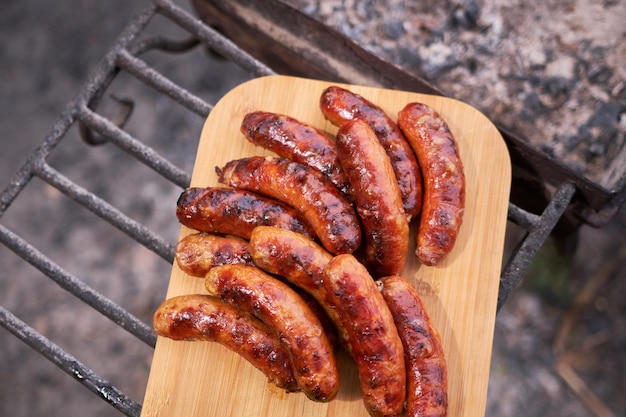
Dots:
pixel 124 56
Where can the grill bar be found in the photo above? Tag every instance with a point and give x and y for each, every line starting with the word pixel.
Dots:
pixel 91 91
pixel 106 211
pixel 77 287
pixel 212 39
pixel 522 217
pixel 539 228
pixel 133 146
pixel 123 57
pixel 69 364
pixel 21 179
pixel 166 45
pixel 154 79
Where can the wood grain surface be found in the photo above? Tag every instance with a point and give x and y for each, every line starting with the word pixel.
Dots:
pixel 205 379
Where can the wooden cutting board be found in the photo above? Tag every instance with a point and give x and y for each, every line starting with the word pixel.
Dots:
pixel 205 379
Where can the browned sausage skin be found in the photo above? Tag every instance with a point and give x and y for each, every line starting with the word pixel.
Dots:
pixel 235 212
pixel 320 312
pixel 299 260
pixel 444 180
pixel 427 384
pixel 376 346
pixel 280 307
pixel 295 140
pixel 291 255
pixel 206 318
pixel 377 198
pixel 198 252
pixel 339 106
pixel 331 216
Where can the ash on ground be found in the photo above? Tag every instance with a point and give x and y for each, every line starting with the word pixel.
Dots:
pixel 554 71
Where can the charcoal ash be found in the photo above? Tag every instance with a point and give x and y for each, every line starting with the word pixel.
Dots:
pixel 540 69
pixel 465 14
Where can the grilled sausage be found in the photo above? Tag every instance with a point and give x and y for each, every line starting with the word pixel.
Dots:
pixel 444 180
pixel 299 260
pixel 331 216
pixel 280 307
pixel 339 106
pixel 427 384
pixel 235 212
pixel 198 252
pixel 376 346
pixel 377 198
pixel 327 324
pixel 206 318
pixel 295 140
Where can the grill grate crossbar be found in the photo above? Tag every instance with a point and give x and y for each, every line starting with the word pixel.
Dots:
pixel 106 211
pixel 522 218
pixel 539 228
pixel 133 146
pixel 149 76
pixel 69 364
pixel 23 176
pixel 77 287
pixel 212 39
pixel 35 165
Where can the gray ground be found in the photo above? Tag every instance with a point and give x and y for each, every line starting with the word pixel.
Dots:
pixel 559 341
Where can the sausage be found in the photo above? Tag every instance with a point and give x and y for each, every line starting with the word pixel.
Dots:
pixel 377 198
pixel 235 212
pixel 319 311
pixel 205 318
pixel 297 327
pixel 330 215
pixel 444 180
pixel 339 106
pixel 427 384
pixel 196 253
pixel 295 140
pixel 376 345
pixel 291 255
pixel 299 260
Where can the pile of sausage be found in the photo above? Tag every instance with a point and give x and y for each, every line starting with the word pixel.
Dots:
pixel 301 253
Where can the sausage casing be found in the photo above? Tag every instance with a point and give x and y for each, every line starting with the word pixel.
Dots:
pixel 235 212
pixel 295 140
pixel 339 106
pixel 377 198
pixel 376 345
pixel 299 260
pixel 329 214
pixel 444 180
pixel 427 385
pixel 198 252
pixel 297 327
pixel 205 318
